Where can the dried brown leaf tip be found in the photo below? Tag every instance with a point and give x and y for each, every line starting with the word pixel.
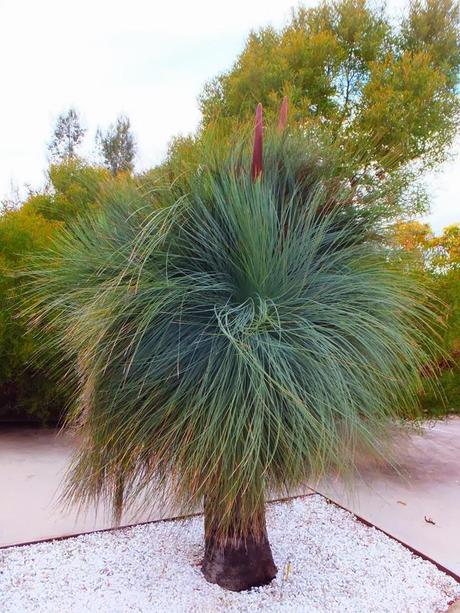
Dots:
pixel 257 155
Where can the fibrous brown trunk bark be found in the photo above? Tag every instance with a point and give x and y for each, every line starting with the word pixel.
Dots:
pixel 239 564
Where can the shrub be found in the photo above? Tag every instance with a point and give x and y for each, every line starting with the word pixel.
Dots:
pixel 229 336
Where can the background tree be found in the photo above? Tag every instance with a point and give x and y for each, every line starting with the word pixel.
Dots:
pixel 436 260
pixel 12 201
pixel 117 146
pixel 383 92
pixel 74 189
pixel 68 135
pixel 26 389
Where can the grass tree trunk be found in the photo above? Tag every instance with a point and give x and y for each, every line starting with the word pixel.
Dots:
pixel 237 562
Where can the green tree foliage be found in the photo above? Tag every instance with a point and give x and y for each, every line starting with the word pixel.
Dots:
pixel 384 92
pixel 437 261
pixel 74 189
pixel 25 387
pixel 432 28
pixel 68 135
pixel 230 336
pixel 117 146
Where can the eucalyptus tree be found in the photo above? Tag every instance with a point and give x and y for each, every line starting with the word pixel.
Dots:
pixel 67 137
pixel 236 332
pixel 383 86
pixel 117 146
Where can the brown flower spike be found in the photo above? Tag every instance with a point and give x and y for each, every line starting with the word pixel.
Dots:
pixel 258 151
pixel 257 156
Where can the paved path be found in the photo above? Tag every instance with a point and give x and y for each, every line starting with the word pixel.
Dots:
pixel 33 462
pixel 421 506
pixel 32 466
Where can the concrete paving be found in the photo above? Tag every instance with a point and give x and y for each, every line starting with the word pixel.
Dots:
pixel 33 463
pixel 421 506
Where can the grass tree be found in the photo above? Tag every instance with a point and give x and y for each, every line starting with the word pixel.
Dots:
pixel 233 334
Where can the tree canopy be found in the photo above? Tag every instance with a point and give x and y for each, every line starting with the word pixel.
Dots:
pixel 25 389
pixel 117 146
pixel 74 189
pixel 384 91
pixel 67 136
pixel 436 260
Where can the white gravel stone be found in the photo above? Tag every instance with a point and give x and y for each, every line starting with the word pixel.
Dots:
pixel 328 563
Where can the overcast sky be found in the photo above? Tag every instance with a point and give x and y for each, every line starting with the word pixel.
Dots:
pixel 146 58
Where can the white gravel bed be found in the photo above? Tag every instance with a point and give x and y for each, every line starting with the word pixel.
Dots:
pixel 328 562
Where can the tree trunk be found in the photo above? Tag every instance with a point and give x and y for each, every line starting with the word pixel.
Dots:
pixel 239 564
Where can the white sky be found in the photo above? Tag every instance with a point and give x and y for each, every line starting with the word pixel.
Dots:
pixel 146 58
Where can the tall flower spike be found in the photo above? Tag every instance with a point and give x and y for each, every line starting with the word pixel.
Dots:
pixel 282 121
pixel 257 156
